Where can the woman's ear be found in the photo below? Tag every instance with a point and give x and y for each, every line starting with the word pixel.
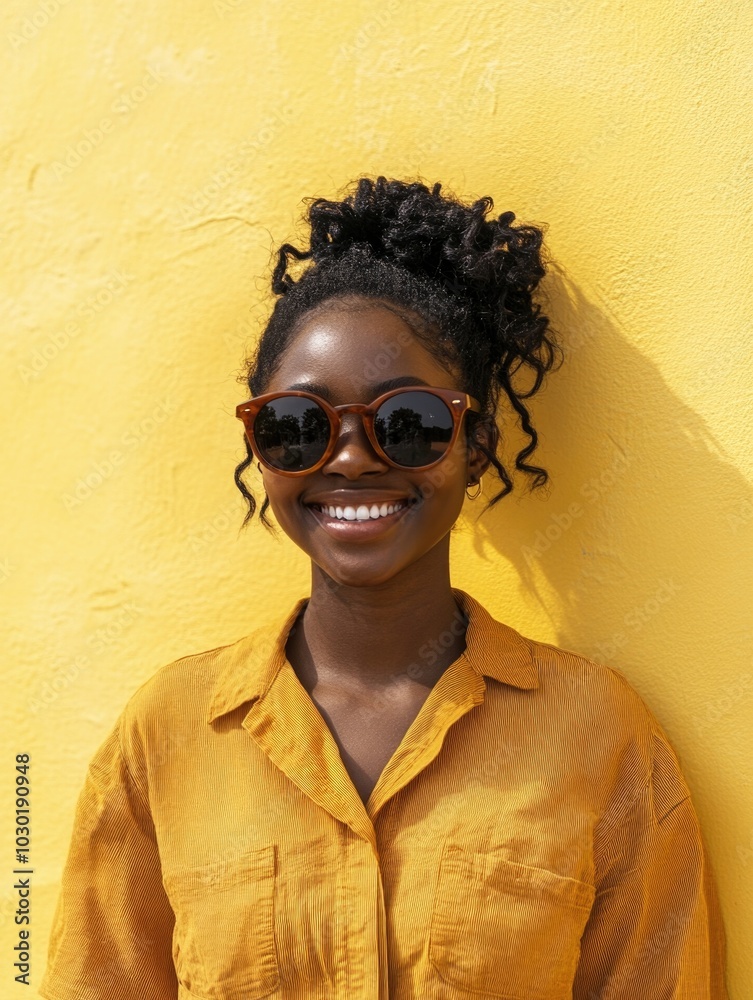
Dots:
pixel 483 437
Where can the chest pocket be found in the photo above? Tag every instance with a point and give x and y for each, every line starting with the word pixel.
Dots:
pixel 223 942
pixel 503 929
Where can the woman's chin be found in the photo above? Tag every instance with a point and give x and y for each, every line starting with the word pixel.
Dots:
pixel 359 573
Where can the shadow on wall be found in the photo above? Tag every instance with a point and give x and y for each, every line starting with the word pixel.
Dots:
pixel 641 535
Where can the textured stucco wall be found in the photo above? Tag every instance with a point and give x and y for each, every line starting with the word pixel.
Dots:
pixel 153 154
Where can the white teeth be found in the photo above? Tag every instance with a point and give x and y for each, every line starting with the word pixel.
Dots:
pixel 362 512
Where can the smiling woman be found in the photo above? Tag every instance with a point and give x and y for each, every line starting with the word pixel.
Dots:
pixel 384 457
pixel 385 792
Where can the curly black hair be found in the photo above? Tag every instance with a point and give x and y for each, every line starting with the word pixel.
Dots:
pixel 462 281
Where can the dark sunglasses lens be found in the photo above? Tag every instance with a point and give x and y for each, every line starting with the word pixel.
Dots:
pixel 291 433
pixel 413 428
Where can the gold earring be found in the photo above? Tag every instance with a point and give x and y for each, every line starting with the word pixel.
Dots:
pixel 478 491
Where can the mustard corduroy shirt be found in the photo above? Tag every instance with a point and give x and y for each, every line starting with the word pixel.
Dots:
pixel 531 838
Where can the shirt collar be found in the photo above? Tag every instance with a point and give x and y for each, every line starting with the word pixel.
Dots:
pixel 251 664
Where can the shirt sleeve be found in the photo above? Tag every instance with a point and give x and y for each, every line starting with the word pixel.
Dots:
pixel 655 929
pixel 112 931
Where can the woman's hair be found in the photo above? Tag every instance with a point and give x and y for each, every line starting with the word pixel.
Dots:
pixel 462 281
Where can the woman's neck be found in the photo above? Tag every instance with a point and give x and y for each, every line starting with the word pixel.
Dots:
pixel 407 630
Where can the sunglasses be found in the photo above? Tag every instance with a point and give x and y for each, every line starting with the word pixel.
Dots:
pixel 294 432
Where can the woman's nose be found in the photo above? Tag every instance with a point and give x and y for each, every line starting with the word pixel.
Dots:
pixel 354 453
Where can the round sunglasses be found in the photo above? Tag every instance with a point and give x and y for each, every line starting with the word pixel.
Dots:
pixel 295 432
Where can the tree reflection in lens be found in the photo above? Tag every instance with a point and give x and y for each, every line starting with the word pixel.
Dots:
pixel 417 431
pixel 292 433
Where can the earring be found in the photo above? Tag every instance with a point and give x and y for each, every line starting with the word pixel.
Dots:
pixel 478 491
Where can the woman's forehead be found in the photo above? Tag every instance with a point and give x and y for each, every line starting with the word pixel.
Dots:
pixel 355 350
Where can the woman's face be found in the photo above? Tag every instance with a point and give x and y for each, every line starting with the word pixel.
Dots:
pixel 352 354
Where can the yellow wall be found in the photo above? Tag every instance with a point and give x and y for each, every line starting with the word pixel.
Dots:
pixel 136 271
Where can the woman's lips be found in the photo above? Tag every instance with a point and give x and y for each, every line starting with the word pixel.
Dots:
pixel 356 528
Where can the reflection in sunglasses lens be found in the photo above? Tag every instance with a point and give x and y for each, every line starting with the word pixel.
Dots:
pixel 292 432
pixel 414 428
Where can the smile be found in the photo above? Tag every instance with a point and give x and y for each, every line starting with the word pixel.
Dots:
pixel 361 522
pixel 361 513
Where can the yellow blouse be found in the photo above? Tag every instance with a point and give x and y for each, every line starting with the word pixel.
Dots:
pixel 531 838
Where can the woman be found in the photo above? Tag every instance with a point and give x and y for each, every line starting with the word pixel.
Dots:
pixel 386 792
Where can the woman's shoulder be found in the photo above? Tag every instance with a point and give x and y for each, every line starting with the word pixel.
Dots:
pixel 558 664
pixel 589 687
pixel 187 690
pixel 595 711
pixel 601 702
pixel 556 679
